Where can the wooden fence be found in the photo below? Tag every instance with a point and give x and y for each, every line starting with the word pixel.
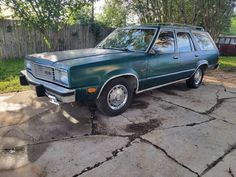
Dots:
pixel 17 41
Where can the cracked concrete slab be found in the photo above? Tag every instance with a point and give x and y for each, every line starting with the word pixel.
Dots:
pixel 67 157
pixel 19 107
pixel 142 111
pixel 196 147
pixel 199 100
pixel 54 124
pixel 138 160
pixel 226 167
pixel 226 111
pixel 225 79
pixel 168 114
pixel 185 132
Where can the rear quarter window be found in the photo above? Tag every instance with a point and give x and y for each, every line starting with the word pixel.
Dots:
pixel 227 40
pixel 204 41
pixel 233 41
pixel 222 40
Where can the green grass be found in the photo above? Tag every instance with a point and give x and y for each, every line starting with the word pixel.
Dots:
pixel 228 63
pixel 9 75
pixel 233 27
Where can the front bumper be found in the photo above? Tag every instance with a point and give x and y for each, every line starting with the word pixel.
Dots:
pixel 57 94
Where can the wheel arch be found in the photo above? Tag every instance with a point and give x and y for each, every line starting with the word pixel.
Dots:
pixel 118 74
pixel 202 63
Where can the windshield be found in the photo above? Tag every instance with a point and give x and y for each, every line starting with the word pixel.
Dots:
pixel 129 39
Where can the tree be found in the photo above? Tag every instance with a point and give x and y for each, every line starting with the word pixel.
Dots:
pixel 1 16
pixel 114 14
pixel 82 16
pixel 43 14
pixel 214 15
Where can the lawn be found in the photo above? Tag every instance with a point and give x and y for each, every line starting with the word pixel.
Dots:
pixel 10 70
pixel 9 75
pixel 228 63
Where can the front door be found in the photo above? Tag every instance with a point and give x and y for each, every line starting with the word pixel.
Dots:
pixel 165 62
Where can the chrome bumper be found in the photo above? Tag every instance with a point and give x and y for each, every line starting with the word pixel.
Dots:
pixel 57 94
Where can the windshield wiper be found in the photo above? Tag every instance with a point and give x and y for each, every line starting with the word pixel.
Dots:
pixel 123 49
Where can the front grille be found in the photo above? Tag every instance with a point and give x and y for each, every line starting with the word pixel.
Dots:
pixel 42 72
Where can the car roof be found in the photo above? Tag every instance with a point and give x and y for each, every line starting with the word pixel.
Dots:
pixel 170 25
pixel 227 36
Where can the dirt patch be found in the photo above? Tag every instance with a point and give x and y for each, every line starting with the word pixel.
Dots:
pixel 143 128
pixel 139 104
pixel 221 76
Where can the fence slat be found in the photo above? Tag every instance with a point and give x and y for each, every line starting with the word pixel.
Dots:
pixel 16 41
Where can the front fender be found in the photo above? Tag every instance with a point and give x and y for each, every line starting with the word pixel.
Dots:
pixel 118 73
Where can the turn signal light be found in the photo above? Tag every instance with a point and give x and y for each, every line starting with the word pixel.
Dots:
pixel 91 90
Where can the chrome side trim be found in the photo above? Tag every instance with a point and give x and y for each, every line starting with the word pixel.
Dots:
pixel 169 83
pixel 170 74
pixel 120 75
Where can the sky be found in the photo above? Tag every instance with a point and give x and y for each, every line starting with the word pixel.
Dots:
pixel 98 6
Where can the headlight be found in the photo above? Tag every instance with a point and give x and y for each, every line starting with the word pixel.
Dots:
pixel 28 64
pixel 61 76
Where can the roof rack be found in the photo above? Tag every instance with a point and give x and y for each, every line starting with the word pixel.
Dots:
pixel 179 25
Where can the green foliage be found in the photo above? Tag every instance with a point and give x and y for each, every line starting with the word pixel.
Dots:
pixel 228 63
pixel 1 15
pixel 9 75
pixel 44 14
pixel 114 14
pixel 233 26
pixel 82 16
pixel 214 15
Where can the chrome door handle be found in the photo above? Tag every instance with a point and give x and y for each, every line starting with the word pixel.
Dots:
pixel 196 55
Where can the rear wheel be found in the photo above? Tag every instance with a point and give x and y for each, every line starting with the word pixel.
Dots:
pixel 196 80
pixel 116 97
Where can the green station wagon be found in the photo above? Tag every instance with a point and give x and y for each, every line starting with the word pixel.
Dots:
pixel 129 61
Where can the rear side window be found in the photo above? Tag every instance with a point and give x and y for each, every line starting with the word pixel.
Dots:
pixel 233 42
pixel 227 40
pixel 222 40
pixel 204 41
pixel 184 42
pixel 165 42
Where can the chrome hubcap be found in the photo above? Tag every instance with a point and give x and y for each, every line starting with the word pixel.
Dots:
pixel 117 97
pixel 198 76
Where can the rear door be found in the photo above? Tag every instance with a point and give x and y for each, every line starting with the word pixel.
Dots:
pixel 188 54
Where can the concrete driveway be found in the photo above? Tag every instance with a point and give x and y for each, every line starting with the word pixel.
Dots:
pixel 169 132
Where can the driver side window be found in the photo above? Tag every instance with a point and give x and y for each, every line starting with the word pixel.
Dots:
pixel 165 42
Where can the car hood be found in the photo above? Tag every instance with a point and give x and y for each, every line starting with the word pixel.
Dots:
pixel 66 59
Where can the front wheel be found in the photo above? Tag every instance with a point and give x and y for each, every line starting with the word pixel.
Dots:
pixel 116 97
pixel 196 80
